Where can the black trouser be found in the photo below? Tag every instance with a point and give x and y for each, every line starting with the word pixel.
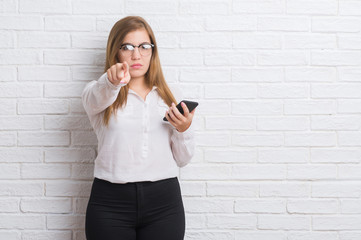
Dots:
pixel 135 211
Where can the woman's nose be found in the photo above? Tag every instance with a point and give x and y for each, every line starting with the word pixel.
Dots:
pixel 136 53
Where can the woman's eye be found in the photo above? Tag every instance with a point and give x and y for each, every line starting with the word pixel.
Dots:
pixel 146 46
pixel 128 47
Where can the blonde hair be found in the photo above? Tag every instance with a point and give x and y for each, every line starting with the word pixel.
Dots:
pixel 154 75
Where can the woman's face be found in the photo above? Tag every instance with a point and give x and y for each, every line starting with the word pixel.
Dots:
pixel 136 38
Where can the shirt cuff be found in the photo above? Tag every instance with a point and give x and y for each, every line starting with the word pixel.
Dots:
pixel 187 134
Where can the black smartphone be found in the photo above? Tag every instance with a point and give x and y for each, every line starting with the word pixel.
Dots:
pixel 190 105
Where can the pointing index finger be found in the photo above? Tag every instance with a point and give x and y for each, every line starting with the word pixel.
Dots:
pixel 126 66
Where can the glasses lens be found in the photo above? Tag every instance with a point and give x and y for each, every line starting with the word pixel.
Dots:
pixel 145 49
pixel 127 47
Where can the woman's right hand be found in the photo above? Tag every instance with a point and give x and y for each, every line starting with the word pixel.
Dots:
pixel 119 73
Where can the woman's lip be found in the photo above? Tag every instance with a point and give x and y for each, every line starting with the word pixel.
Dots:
pixel 136 65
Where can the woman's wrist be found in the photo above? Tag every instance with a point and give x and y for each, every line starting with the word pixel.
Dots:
pixel 181 130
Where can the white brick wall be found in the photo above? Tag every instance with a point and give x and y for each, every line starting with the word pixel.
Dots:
pixel 278 127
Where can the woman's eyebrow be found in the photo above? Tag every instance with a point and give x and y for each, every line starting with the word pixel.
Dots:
pixel 135 44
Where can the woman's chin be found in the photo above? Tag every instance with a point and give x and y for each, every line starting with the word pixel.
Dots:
pixel 136 75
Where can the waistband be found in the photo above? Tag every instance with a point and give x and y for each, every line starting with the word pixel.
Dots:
pixel 144 183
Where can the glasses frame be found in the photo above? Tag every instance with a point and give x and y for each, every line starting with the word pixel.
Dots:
pixel 132 51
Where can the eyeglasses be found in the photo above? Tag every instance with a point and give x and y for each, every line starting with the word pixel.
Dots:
pixel 145 49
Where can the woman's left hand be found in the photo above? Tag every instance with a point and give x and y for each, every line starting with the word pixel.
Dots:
pixel 179 121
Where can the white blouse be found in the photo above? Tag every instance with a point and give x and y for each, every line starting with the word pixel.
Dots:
pixel 137 145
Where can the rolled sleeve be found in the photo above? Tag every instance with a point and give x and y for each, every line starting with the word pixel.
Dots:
pixel 98 95
pixel 183 146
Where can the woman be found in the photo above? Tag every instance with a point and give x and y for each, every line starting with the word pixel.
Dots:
pixel 135 192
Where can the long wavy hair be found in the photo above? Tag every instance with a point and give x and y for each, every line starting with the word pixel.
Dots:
pixel 154 75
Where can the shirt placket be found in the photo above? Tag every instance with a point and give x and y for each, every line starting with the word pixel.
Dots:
pixel 145 126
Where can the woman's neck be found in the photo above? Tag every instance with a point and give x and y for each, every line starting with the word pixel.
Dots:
pixel 137 83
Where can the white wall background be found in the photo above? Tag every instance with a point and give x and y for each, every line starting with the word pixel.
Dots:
pixel 278 126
